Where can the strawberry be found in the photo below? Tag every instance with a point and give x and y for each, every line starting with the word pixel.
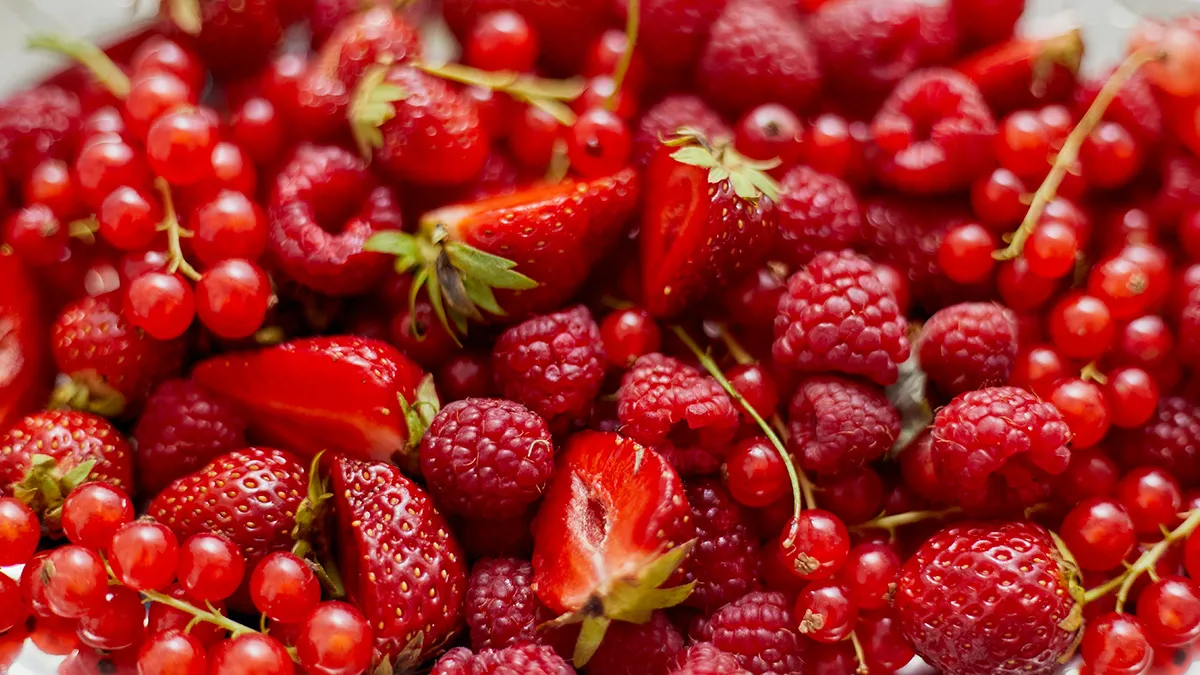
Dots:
pixel 235 37
pixel 251 496
pixel 534 248
pixel 399 561
pixel 112 364
pixel 47 454
pixel 341 393
pixel 614 524
pixel 709 217
pixel 23 353
pixel 1024 72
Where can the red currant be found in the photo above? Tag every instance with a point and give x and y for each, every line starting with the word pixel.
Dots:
pixel 467 375
pixel 754 473
pixel 1020 288
pixel 153 94
pixel 1081 326
pixel 232 298
pixel 768 132
pixel 829 146
pixel 210 567
pixel 1152 497
pixel 173 652
pixel 179 145
pixel 129 219
pixel 230 225
pixel 1132 395
pixel 1050 250
pixel 1121 285
pixel 1099 533
pixel 532 137
pixel 606 53
pixel 33 589
pixel 1169 610
pixel 36 235
pixel 257 128
pixel 628 334
pixel 599 91
pixel 284 588
pixel 13 611
pixel 161 304
pixel 965 254
pixel 1115 644
pixel 1110 157
pixel 161 55
pixel 144 555
pixel 106 121
pixel 250 654
pixel 116 623
pixel 93 512
pixel 815 544
pixel 232 169
pixel 19 532
pixel 1084 409
pixel 1023 145
pixel 884 645
pixel 51 183
pixel 75 581
pixel 854 495
pixel 162 618
pixel 825 612
pixel 1091 473
pixel 501 40
pixel 756 387
pixel 106 163
pixel 998 200
pixel 598 143
pixel 334 639
pixel 1146 342
pixel 870 574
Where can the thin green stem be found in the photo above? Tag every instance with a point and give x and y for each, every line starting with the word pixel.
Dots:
pixel 175 231
pixel 807 489
pixel 711 366
pixel 736 350
pixel 890 523
pixel 215 618
pixel 1145 564
pixel 632 21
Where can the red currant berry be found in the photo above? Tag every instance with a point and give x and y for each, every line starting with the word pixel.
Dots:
pixel 162 618
pixel 629 334
pixel 1020 288
pixel 598 143
pixel 1132 395
pixel 965 254
pixel 768 132
pixel 116 623
pixel 210 567
pixel 895 282
pixel 75 581
pixel 257 128
pixel 1191 555
pixel 598 93
pixel 1091 473
pixel 754 473
pixel 93 512
pixel 1146 342
pixel 334 639
pixel 467 375
pixel 606 53
pixel 153 94
pixel 230 225
pixel 33 589
pixel 1038 369
pixel 173 652
pixel 1081 326
pixel 1098 533
pixel 36 235
pixel 161 55
pixel 854 495
pixel 753 301
pixel 161 304
pixel 998 200
pixel 829 146
pixel 250 654
pixel 51 183
pixel 105 164
pixel 1169 610
pixel 532 138
pixel 815 544
pixel 869 574
pixel 129 219
pixel 106 121
pixel 19 532
pixel 418 333
pixel 179 146
pixel 1084 409
pixel 825 612
pixel 232 169
pixel 13 611
pixel 1050 250
pixel 284 588
pixel 1120 284
pixel 501 41
pixel 144 555
pixel 756 386
pixel 55 635
pixel 1115 644
pixel 232 298
pixel 1152 497
pixel 1110 157
pixel 1023 145
pixel 883 643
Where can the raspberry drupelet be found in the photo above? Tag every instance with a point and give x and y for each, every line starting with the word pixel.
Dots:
pixel 969 346
pixel 837 424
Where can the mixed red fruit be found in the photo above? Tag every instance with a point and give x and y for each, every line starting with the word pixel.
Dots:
pixel 655 337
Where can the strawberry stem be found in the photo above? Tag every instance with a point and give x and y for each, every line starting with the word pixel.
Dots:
pixel 890 523
pixel 1069 154
pixel 89 56
pixel 170 224
pixel 632 20
pixel 798 499
pixel 1145 563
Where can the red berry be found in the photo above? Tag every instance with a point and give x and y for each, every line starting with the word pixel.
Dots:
pixel 825 612
pixel 33 590
pixel 93 512
pixel 1084 409
pixel 1023 145
pixel 161 304
pixel 172 652
pixel 153 94
pixel 629 334
pixel 599 143
pixel 1152 497
pixel 1020 288
pixel 965 254
pixel 769 132
pixel 232 298
pixel 1115 644
pixel 75 581
pixel 815 544
pixel 116 623
pixel 162 618
pixel 854 495
pixel 1191 555
pixel 250 654
pixel 1122 285
pixel 869 574
pixel 129 219
pixel 230 225
pixel 1098 533
pixel 501 40
pixel 20 531
pixel 1091 473
pixel 1081 326
pixel 754 473
pixel 756 387
pixel 334 640
pixel 467 375
pixel 36 235
pixel 144 554
pixel 1169 610
pixel 51 183
pixel 532 137
pixel 1132 396
pixel 997 199
pixel 210 567
pixel 1050 250
pixel 162 55
pixel 179 146
pixel 258 128
pixel 106 163
pixel 13 611
pixel 284 588
pixel 1110 156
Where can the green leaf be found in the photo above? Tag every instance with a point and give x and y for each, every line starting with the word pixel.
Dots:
pixel 695 155
pixel 453 290
pixel 393 242
pixel 717 174
pixel 437 302
pixel 743 186
pixel 78 475
pixel 661 568
pixel 481 294
pixel 590 637
pixel 420 279
pixel 765 184
pixel 372 106
pixel 489 269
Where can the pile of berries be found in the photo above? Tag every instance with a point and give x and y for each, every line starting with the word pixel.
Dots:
pixel 651 337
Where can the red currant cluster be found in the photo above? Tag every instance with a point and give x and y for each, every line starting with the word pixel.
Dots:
pixel 94 590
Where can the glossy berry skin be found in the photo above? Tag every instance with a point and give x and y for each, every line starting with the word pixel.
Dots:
pixel 1015 566
pixel 250 653
pixel 19 532
pixel 106 163
pixel 1081 326
pixel 36 235
pixel 1050 250
pixel 628 334
pixel 754 473
pixel 598 143
pixel 1115 644
pixel 334 639
pixel 172 652
pixel 179 146
pixel 770 131
pixel 1169 610
pixel 501 40
pixel 161 304
pixel 1085 410
pixel 75 581
pixel 210 567
pixel 1099 533
pixel 1152 497
pixel 129 219
pixel 869 574
pixel 232 298
pixel 116 623
pixel 965 253
pixel 93 512
pixel 825 612
pixel 284 588
pixel 229 225
pixel 143 555
pixel 1132 394
pixel 815 544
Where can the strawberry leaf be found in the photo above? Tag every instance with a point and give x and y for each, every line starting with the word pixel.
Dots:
pixel 481 294
pixel 418 415
pixel 393 242
pixel 590 637
pixel 453 290
pixel 661 568
pixel 77 476
pixel 696 156
pixel 372 106
pixel 489 269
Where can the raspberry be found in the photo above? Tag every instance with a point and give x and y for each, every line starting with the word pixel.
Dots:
pixel 486 458
pixel 183 427
pixel 759 631
pixel 502 609
pixel 999 446
pixel 703 658
pixel 1189 327
pixel 969 346
pixel 667 116
pixel 934 134
pixel 323 208
pixel 494 538
pixel 674 31
pixel 836 424
pixel 817 212
pixel 987 598
pixel 679 411
pixel 526 659
pixel 553 363
pixel 756 54
pixel 638 649
pixel 837 316
pixel 35 125
pixel 725 562
pixel 1171 440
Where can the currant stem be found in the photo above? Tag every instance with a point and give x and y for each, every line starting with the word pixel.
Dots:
pixel 709 365
pixel 736 350
pixel 890 523
pixel 1069 153
pixel 546 95
pixel 806 487
pixel 1124 581
pixel 859 654
pixel 632 20
pixel 89 56
pixel 174 231
pixel 215 618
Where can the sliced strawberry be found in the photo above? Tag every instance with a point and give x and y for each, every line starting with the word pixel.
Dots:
pixel 613 525
pixel 23 355
pixel 399 561
pixel 1025 72
pixel 343 394
pixel 514 255
pixel 709 218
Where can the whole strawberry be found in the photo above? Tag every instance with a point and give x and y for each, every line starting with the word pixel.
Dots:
pixel 47 454
pixel 1014 607
pixel 371 36
pixel 709 219
pixel 111 363
pixel 397 552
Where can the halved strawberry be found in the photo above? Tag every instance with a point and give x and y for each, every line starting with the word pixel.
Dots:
pixel 399 561
pixel 343 394
pixel 614 524
pixel 709 217
pixel 23 354
pixel 514 255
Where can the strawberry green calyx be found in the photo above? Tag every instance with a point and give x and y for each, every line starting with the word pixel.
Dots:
pixel 748 177
pixel 89 56
pixel 547 95
pixel 632 600
pixel 44 487
pixel 87 392
pixel 461 279
pixel 310 515
pixel 372 106
pixel 418 415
